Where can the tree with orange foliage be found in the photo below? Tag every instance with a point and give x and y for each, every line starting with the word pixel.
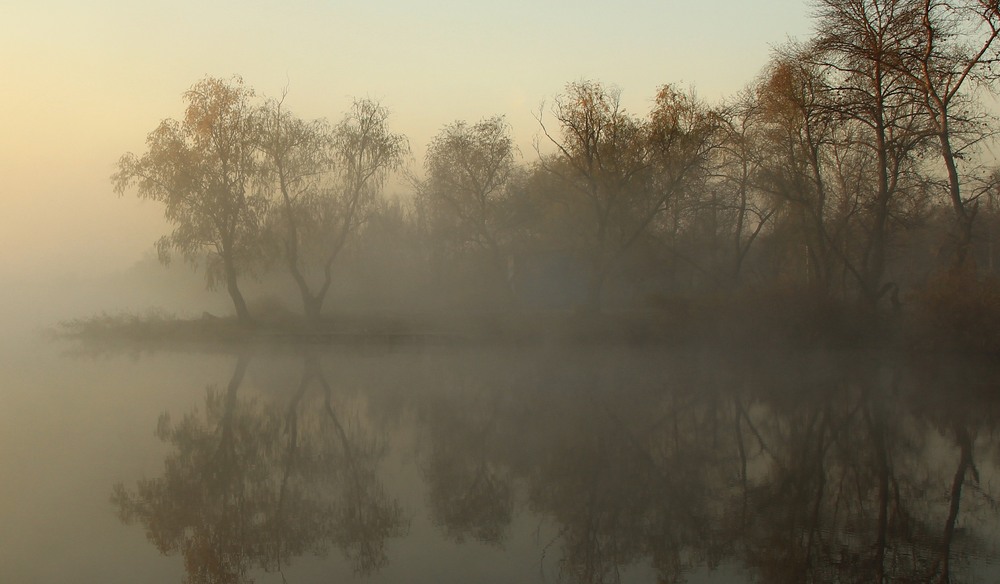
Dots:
pixel 202 169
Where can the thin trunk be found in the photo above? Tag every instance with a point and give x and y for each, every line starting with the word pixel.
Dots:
pixel 232 286
pixel 963 216
pixel 875 256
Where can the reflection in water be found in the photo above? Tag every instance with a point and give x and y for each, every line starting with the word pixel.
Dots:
pixel 469 494
pixel 249 486
pixel 836 470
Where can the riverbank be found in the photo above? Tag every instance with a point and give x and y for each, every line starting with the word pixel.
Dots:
pixel 772 323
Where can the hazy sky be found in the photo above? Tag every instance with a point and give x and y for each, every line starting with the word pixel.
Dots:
pixel 81 83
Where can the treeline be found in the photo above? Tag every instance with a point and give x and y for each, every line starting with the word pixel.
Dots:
pixel 852 171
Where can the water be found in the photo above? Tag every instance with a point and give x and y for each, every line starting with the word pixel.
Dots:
pixel 418 463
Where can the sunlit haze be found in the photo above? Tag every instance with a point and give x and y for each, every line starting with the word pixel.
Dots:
pixel 83 83
pixel 452 291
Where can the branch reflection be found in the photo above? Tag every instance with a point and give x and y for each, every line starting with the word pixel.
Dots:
pixel 250 485
pixel 635 464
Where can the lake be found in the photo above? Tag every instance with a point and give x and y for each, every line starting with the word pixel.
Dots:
pixel 528 462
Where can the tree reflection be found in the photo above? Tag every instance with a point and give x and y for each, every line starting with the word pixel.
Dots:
pixel 632 474
pixel 783 469
pixel 838 471
pixel 849 488
pixel 250 486
pixel 470 493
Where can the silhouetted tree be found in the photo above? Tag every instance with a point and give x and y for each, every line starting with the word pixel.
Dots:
pixel 799 140
pixel 737 195
pixel 954 45
pixel 855 40
pixel 603 154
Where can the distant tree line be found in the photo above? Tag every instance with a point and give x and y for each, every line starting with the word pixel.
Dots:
pixel 851 169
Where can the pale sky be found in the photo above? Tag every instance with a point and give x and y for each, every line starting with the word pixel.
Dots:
pixel 81 83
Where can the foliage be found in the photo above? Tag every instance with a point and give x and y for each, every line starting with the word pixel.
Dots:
pixel 202 170
pixel 325 181
pixel 826 182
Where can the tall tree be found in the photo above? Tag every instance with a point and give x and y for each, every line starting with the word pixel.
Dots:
pixel 468 171
pixel 854 44
pixel 955 43
pixel 737 171
pixel 799 132
pixel 202 169
pixel 299 163
pixel 684 137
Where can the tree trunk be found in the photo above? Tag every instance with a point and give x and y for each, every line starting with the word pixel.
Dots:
pixel 242 312
pixel 963 216
pixel 312 303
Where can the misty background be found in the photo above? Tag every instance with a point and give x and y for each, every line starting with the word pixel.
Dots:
pixel 84 84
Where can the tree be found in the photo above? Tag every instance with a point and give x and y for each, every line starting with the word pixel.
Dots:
pixel 953 47
pixel 469 169
pixel 202 169
pixel 603 155
pixel 623 171
pixel 799 131
pixel 685 137
pixel 298 164
pixel 737 171
pixel 325 182
pixel 854 44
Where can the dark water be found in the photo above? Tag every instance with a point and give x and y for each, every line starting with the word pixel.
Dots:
pixel 487 464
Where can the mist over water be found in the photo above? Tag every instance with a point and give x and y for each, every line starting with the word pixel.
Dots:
pixel 427 463
pixel 443 332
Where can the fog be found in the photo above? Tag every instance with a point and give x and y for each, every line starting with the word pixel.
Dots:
pixel 85 84
pixel 423 463
pixel 505 293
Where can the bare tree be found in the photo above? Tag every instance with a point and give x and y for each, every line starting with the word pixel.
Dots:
pixel 799 134
pixel 855 40
pixel 954 45
pixel 299 163
pixel 740 206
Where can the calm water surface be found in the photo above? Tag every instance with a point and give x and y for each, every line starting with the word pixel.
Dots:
pixel 487 464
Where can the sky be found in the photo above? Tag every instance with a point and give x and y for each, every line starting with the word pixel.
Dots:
pixel 82 83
